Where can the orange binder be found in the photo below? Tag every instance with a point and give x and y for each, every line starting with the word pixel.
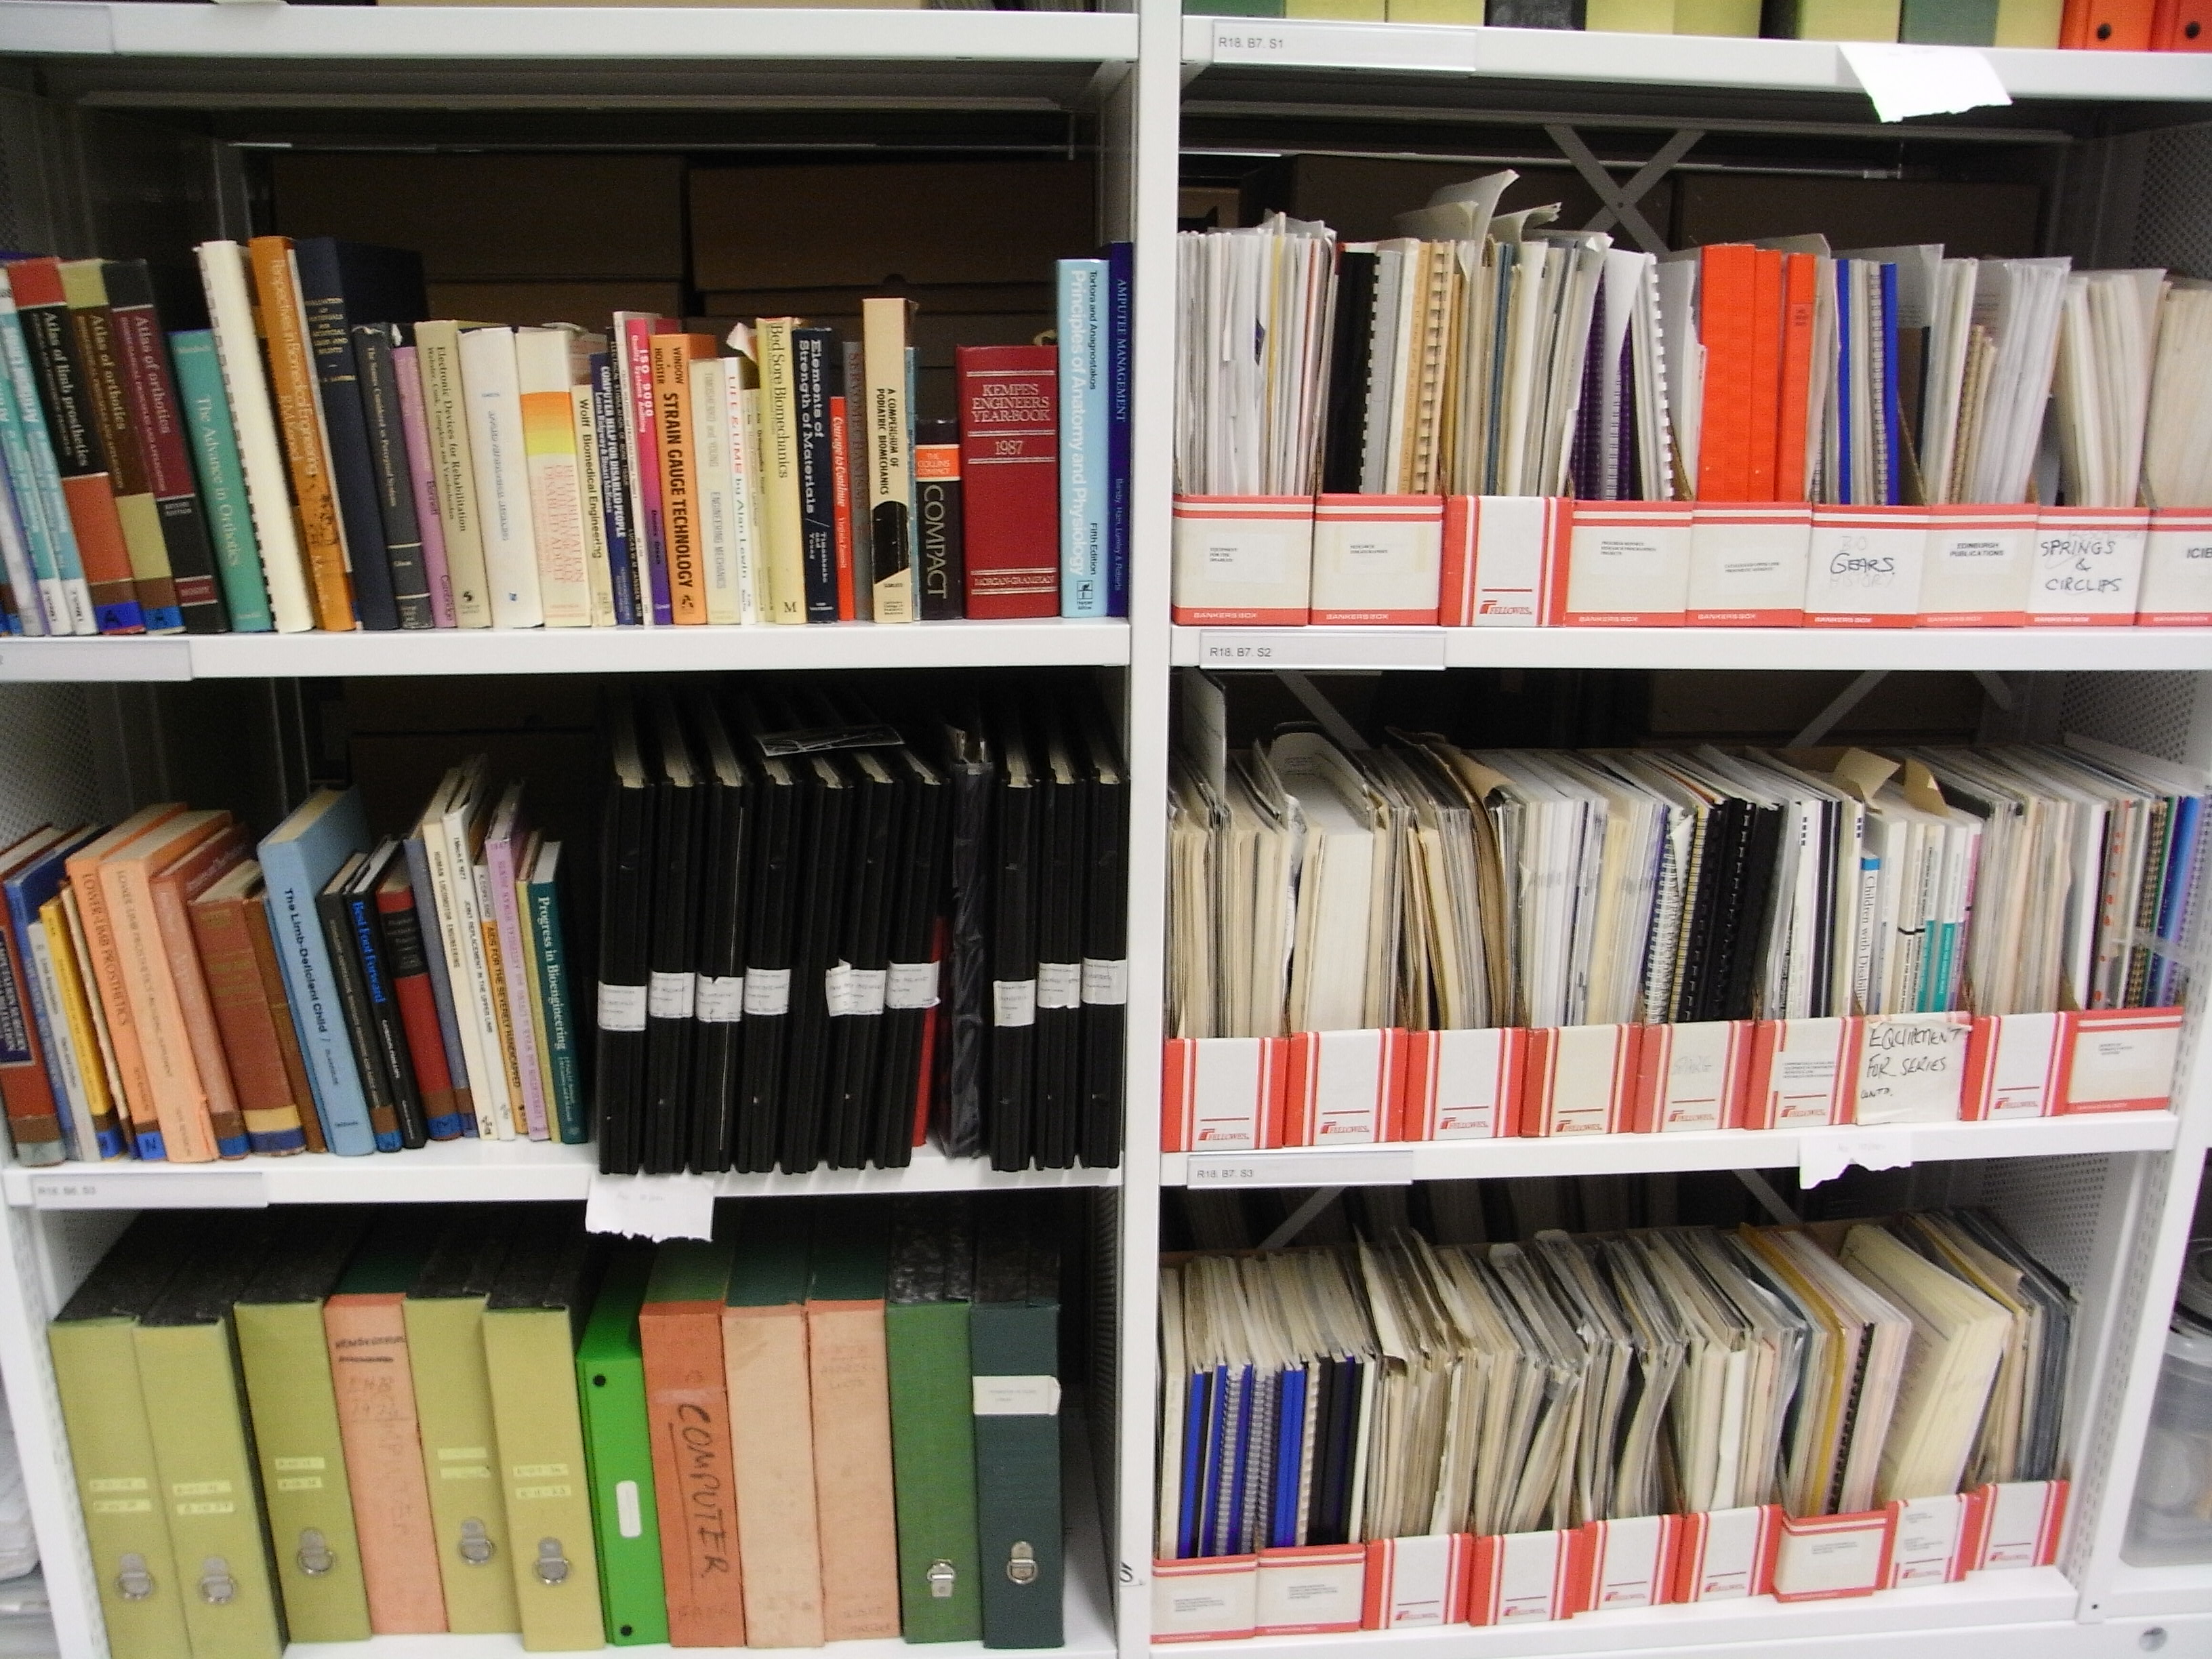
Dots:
pixel 1801 275
pixel 1764 437
pixel 848 1375
pixel 680 1331
pixel 298 389
pixel 2181 26
pixel 2107 25
pixel 1727 307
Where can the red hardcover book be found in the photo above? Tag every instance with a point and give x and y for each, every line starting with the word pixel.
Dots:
pixel 840 504
pixel 418 1009
pixel 1010 462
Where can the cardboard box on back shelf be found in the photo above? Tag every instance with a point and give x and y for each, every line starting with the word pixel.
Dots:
pixel 526 304
pixel 1972 220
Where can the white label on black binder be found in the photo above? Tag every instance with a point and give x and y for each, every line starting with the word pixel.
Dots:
pixel 767 992
pixel 1017 1396
pixel 1105 982
pixel 1060 985
pixel 911 985
pixel 622 1007
pixel 1013 1002
pixel 837 990
pixel 720 1001
pixel 672 996
pixel 864 990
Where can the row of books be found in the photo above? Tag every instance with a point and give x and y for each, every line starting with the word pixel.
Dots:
pixel 1396 1389
pixel 1482 354
pixel 825 936
pixel 1426 886
pixel 321 456
pixel 2084 25
pixel 169 995
pixel 327 1426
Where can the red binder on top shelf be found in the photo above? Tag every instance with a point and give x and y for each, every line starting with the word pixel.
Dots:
pixel 2181 26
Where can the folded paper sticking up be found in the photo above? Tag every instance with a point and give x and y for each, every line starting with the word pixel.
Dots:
pixel 1906 80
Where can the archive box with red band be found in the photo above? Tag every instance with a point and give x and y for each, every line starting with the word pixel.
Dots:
pixel 1910 1068
pixel 1580 1079
pixel 1504 557
pixel 1823 1558
pixel 2014 1066
pixel 1929 1538
pixel 2177 567
pixel 1747 563
pixel 1244 561
pixel 1417 1583
pixel 1865 566
pixel 1214 1599
pixel 1222 1094
pixel 1801 1073
pixel 1345 1088
pixel 1376 558
pixel 2120 1059
pixel 1310 1589
pixel 1629 1563
pixel 1464 1085
pixel 2088 566
pixel 1692 1076
pixel 1628 566
pixel 2018 1523
pixel 1725 1555
pixel 1977 566
pixel 1525 1576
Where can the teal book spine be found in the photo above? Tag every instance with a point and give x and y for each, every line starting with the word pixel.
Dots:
pixel 1084 496
pixel 550 961
pixel 37 477
pixel 222 479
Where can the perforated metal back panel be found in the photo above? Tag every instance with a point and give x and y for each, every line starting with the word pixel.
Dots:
pixel 2172 228
pixel 46 773
pixel 2051 1204
pixel 2147 712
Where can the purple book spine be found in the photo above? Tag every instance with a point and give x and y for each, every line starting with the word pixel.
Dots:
pixel 417 432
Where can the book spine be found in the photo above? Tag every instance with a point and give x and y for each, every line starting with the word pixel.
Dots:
pixel 172 1082
pixel 339 401
pixel 854 473
pixel 311 995
pixel 34 1124
pixel 92 324
pixel 155 419
pixel 253 422
pixel 441 986
pixel 388 1027
pixel 267 1096
pixel 374 1387
pixel 421 483
pixel 1009 459
pixel 19 523
pixel 937 531
pixel 350 981
pixel 572 1120
pixel 385 427
pixel 1084 495
pixel 293 376
pixel 617 503
pixel 514 979
pixel 592 505
pixel 29 455
pixel 172 920
pixel 496 446
pixel 502 1032
pixel 817 525
pixel 556 506
pixel 744 418
pixel 80 465
pixel 453 470
pixel 716 479
pixel 1120 394
pixel 841 508
pixel 111 1004
pixel 278 1001
pixel 889 425
pixel 222 481
pixel 688 1410
pixel 81 1020
pixel 645 468
pixel 50 1016
pixel 785 589
pixel 454 886
pixel 409 965
pixel 675 447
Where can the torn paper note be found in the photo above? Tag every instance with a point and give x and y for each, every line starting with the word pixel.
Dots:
pixel 654 1206
pixel 1906 80
pixel 1824 1154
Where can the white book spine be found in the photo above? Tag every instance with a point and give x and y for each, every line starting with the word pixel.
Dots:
pixel 745 419
pixel 493 401
pixel 446 839
pixel 546 383
pixel 592 505
pixel 260 457
pixel 453 469
pixel 710 434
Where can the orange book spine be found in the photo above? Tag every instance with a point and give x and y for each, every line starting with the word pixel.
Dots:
pixel 687 1410
pixel 99 544
pixel 672 357
pixel 849 1372
pixel 1766 430
pixel 180 1101
pixel 259 1078
pixel 1725 311
pixel 173 890
pixel 114 999
pixel 1800 276
pixel 779 1529
pixel 292 378
pixel 367 1339
pixel 280 1015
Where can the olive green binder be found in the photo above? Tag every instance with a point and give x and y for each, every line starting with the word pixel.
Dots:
pixel 618 1451
pixel 112 1450
pixel 1013 1348
pixel 933 1428
pixel 285 1360
pixel 444 1312
pixel 530 1322
pixel 197 1416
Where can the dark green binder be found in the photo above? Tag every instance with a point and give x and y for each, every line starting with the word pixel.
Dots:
pixel 932 1427
pixel 1013 1344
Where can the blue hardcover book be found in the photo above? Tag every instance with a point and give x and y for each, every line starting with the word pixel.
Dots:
pixel 1083 417
pixel 1844 383
pixel 1121 391
pixel 298 859
pixel 222 479
pixel 2168 970
pixel 29 452
pixel 28 889
pixel 616 508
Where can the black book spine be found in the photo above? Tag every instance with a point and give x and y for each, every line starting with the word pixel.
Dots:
pixel 395 479
pixel 1754 899
pixel 618 1060
pixel 672 1002
pixel 940 569
pixel 1105 971
pixel 360 1022
pixel 1345 435
pixel 1013 990
pixel 817 511
pixel 330 335
pixel 717 1065
pixel 386 1025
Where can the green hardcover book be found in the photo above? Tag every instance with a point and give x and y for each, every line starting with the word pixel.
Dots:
pixel 197 1416
pixel 549 963
pixel 444 1313
pixel 285 1360
pixel 932 1424
pixel 1233 8
pixel 1949 22
pixel 618 1451
pixel 111 1449
pixel 222 480
pixel 1013 1348
pixel 531 1323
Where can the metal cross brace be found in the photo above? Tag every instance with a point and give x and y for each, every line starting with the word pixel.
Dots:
pixel 1619 200
pixel 1301 1218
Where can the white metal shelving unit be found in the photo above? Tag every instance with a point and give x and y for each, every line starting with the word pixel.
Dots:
pixel 2105 1201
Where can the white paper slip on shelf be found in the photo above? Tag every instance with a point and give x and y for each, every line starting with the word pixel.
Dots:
pixel 1904 81
pixel 1824 1154
pixel 654 1206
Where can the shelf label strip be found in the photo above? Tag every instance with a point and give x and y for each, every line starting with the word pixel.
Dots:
pixel 170 1190
pixel 1377 1166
